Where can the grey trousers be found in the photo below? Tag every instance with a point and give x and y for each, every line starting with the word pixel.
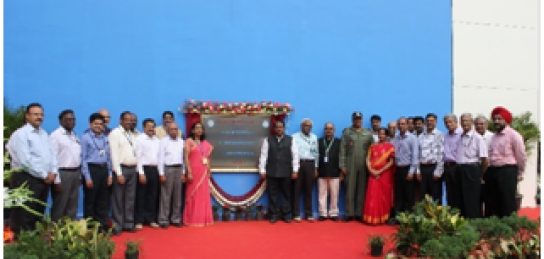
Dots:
pixel 171 194
pixel 65 202
pixel 123 199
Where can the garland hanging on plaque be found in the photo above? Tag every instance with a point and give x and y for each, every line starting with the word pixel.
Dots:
pixel 223 197
pixel 216 107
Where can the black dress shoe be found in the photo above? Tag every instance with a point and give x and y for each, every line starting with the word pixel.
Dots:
pixel 165 226
pixel 392 222
pixel 273 220
pixel 131 230
pixel 287 219
pixel 348 219
pixel 116 231
pixel 178 225
pixel 335 219
pixel 321 218
pixel 359 218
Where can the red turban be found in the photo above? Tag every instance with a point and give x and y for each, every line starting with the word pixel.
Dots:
pixel 503 112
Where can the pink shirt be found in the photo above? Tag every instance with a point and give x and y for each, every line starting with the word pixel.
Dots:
pixel 507 148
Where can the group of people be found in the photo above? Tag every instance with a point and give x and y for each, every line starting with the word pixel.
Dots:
pixel 382 167
pixel 139 175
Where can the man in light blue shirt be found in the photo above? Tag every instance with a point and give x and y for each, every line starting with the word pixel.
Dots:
pixel 32 150
pixel 309 155
pixel 406 161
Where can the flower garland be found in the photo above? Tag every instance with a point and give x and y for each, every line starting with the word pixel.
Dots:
pixel 216 107
pixel 224 198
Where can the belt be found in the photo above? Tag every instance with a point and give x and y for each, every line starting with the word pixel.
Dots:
pixel 402 166
pixel 98 164
pixel 128 166
pixel 69 168
pixel 449 163
pixel 471 164
pixel 427 165
pixel 499 166
pixel 307 160
pixel 150 166
pixel 176 165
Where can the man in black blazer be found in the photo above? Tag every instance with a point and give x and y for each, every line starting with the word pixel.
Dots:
pixel 329 173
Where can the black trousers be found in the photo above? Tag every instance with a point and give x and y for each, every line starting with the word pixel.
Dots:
pixel 469 178
pixel 428 185
pixel 279 186
pixel 304 183
pixel 501 183
pixel 21 219
pixel 404 190
pixel 147 197
pixel 452 185
pixel 97 199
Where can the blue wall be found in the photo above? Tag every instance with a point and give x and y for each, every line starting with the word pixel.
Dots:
pixel 327 58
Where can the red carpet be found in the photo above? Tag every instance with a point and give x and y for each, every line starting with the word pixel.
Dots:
pixel 241 240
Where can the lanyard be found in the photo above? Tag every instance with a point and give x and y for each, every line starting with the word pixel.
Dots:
pixel 96 145
pixel 329 146
pixel 470 142
pixel 308 140
pixel 201 149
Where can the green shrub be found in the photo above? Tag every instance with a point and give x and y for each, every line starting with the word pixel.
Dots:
pixel 516 222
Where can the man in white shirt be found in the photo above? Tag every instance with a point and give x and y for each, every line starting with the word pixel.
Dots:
pixel 431 160
pixel 147 192
pixel 171 173
pixel 67 149
pixel 481 126
pixel 278 164
pixel 123 157
pixel 167 118
pixel 376 123
pixel 309 158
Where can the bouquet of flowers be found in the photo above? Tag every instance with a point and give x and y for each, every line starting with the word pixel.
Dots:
pixel 215 107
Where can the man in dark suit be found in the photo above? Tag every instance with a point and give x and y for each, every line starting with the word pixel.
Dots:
pixel 279 163
pixel 329 173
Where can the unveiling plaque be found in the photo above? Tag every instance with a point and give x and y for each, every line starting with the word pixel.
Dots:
pixel 236 140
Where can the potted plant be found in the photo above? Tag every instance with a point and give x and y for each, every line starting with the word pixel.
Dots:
pixel 215 208
pixel 226 212
pixel 260 215
pixel 249 212
pixel 240 212
pixel 133 249
pixel 375 242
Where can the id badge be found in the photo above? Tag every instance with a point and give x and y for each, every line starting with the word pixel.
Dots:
pixel 351 143
pixel 204 161
pixel 102 152
pixel 326 159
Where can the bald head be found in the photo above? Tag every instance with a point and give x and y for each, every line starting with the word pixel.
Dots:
pixel 392 128
pixel 106 115
pixel 173 130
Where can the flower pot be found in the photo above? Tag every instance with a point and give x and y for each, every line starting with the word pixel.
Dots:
pixel 376 250
pixel 260 216
pixel 249 216
pixel 239 216
pixel 132 255
pixel 519 197
pixel 226 216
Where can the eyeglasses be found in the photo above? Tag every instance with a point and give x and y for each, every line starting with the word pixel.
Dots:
pixel 329 128
pixel 37 114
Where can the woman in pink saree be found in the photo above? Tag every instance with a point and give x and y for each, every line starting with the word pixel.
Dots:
pixel 197 151
pixel 379 191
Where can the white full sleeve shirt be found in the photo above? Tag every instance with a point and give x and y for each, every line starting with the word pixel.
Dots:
pixel 66 148
pixel 123 149
pixel 170 153
pixel 147 151
pixel 264 156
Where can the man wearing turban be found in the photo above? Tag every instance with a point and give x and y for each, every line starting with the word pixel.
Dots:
pixel 507 161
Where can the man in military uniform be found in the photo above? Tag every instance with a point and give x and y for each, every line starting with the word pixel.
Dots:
pixel 354 147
